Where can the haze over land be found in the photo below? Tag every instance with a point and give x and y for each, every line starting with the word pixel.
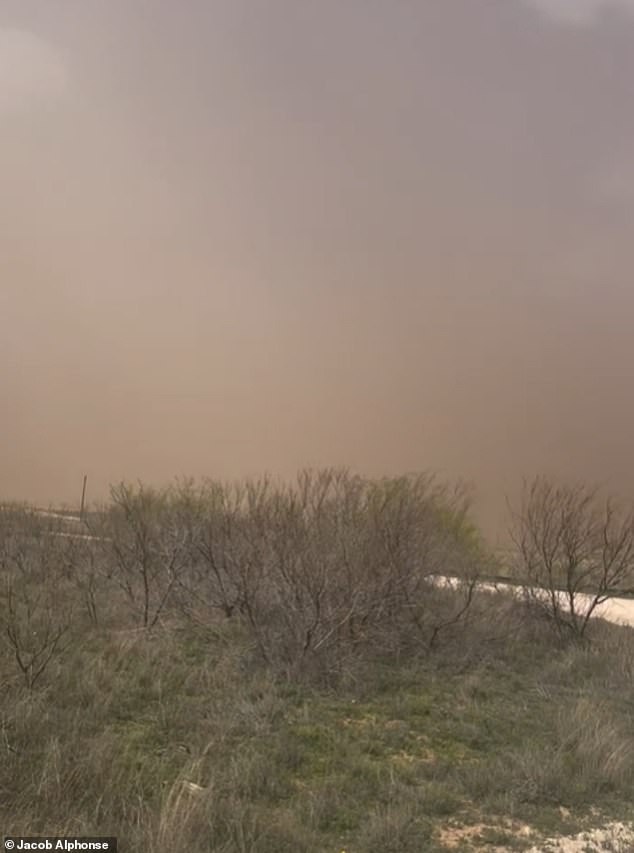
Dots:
pixel 239 236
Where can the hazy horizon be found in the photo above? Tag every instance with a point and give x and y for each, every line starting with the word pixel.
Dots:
pixel 249 236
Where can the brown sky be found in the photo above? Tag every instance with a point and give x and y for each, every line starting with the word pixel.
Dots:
pixel 240 236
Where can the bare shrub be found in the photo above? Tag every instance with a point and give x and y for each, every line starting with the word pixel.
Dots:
pixel 573 549
pixel 35 610
pixel 87 572
pixel 36 623
pixel 349 566
pixel 148 547
pixel 32 545
pixel 226 535
pixel 328 566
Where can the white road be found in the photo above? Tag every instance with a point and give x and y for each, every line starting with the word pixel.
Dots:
pixel 617 610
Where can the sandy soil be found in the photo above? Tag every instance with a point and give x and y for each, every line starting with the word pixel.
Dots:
pixel 612 838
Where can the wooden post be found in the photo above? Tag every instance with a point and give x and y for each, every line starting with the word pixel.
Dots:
pixel 83 499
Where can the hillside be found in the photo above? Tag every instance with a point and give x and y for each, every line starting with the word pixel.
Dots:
pixel 476 725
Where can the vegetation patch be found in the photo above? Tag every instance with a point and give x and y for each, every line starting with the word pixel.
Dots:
pixel 266 670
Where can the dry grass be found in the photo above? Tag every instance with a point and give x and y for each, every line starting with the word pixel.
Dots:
pixel 184 737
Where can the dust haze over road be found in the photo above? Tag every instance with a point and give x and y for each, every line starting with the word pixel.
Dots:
pixel 240 237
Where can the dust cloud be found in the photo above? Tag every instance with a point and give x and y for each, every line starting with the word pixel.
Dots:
pixel 240 237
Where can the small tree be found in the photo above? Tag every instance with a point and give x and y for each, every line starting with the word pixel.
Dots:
pixel 349 566
pixel 35 620
pixel 35 614
pixel 573 549
pixel 222 575
pixel 148 546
